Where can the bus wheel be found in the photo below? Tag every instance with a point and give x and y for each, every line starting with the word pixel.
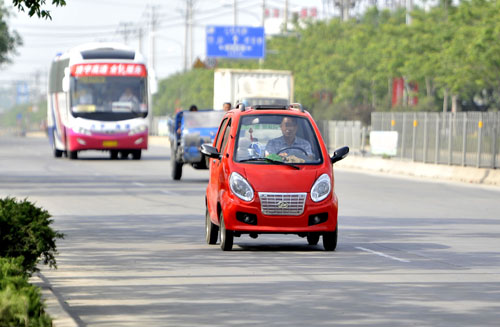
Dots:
pixel 113 154
pixel 57 153
pixel 136 154
pixel 73 155
pixel 124 154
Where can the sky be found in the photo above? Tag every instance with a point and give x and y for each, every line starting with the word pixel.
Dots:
pixel 82 21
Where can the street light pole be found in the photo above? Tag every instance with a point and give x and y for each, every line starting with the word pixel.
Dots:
pixel 235 12
pixel 263 12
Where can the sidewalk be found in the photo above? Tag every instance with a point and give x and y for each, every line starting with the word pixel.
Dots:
pixel 470 175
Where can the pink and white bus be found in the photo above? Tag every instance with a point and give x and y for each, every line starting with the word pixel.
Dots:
pixel 98 100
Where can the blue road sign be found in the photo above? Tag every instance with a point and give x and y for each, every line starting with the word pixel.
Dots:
pixel 242 42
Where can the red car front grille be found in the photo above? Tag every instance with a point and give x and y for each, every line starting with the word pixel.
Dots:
pixel 282 204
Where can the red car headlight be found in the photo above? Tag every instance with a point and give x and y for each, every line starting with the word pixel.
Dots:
pixel 240 187
pixel 321 188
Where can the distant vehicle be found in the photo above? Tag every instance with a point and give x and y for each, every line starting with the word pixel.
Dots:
pixel 98 100
pixel 270 172
pixel 252 87
pixel 187 132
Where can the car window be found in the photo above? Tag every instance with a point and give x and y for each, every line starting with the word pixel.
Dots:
pixel 218 139
pixel 226 136
pixel 279 137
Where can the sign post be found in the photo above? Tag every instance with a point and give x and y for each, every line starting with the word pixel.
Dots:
pixel 240 42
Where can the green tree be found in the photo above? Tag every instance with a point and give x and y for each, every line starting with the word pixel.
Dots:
pixel 9 40
pixel 35 7
pixel 184 89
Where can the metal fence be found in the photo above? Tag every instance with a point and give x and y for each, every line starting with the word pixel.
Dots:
pixel 465 138
pixel 338 133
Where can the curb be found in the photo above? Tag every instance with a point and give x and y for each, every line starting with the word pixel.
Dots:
pixel 470 175
pixel 396 167
pixel 54 304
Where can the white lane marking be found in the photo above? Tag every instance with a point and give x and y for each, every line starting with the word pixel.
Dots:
pixel 382 254
pixel 168 192
pixel 139 184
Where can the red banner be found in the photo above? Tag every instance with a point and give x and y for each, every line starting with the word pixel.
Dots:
pixel 108 69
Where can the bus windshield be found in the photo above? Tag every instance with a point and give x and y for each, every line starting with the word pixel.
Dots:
pixel 108 97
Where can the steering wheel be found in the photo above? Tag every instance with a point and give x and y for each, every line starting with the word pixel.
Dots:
pixel 293 148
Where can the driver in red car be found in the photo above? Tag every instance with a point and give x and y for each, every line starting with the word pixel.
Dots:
pixel 289 146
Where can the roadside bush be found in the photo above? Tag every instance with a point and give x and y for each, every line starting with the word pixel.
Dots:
pixel 20 302
pixel 25 232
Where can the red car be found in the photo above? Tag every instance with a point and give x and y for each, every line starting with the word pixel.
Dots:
pixel 270 172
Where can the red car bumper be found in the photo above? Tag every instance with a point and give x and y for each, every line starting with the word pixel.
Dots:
pixel 316 217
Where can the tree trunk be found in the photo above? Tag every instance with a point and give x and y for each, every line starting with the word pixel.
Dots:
pixel 389 93
pixel 374 95
pixel 445 100
pixel 454 103
pixel 428 86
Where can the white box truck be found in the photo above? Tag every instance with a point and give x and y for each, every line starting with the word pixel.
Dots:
pixel 252 87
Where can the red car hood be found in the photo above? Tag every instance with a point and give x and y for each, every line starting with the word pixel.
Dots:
pixel 281 179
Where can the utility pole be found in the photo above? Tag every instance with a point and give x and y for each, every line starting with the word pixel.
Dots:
pixel 191 38
pixel 286 16
pixel 235 12
pixel 125 29
pixel 152 30
pixel 186 26
pixel 263 12
pixel 188 34
pixel 409 8
pixel 152 58
pixel 139 36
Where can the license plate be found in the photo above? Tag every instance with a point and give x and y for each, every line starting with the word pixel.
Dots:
pixel 109 144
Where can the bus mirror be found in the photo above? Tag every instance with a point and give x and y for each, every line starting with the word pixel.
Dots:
pixel 153 84
pixel 65 80
pixel 65 84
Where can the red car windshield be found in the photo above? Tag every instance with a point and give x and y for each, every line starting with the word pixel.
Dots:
pixel 283 138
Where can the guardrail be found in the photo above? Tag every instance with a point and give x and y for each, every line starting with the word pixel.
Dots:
pixel 464 138
pixel 338 133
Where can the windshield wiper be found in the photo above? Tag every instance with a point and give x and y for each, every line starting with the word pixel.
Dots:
pixel 270 160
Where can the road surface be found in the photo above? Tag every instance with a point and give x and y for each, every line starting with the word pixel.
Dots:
pixel 410 253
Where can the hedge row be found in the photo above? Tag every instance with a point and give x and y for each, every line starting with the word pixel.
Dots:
pixel 25 238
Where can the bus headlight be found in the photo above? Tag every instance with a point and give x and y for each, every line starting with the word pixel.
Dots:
pixel 137 130
pixel 321 188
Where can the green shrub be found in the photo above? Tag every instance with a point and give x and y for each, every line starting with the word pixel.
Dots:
pixel 20 303
pixel 25 232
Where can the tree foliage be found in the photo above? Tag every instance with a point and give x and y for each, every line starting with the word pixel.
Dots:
pixel 9 40
pixel 344 70
pixel 182 90
pixel 35 7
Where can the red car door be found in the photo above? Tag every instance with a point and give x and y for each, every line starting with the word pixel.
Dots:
pixel 216 169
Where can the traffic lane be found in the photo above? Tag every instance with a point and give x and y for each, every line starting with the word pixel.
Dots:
pixel 116 273
pixel 115 277
pixel 152 265
pixel 272 265
pixel 449 222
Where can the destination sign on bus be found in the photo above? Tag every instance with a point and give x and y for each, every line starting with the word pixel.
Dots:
pixel 108 69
